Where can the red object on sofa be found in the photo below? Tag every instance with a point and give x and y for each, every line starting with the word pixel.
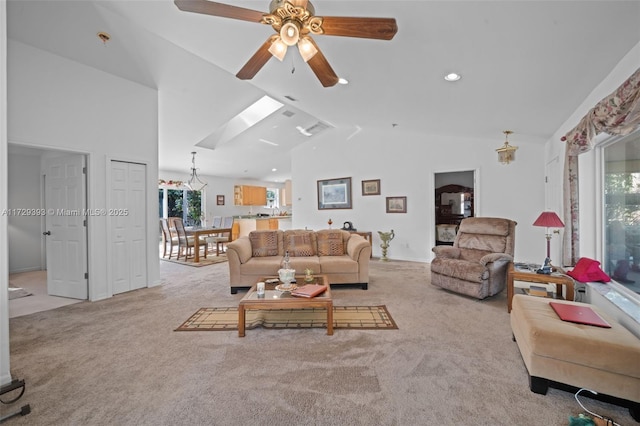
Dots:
pixel 588 270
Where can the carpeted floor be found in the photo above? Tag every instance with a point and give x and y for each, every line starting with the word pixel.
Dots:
pixel 119 361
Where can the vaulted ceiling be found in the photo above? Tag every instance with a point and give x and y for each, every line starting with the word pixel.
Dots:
pixel 525 66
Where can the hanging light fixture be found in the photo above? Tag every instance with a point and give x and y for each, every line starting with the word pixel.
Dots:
pixel 506 153
pixel 194 183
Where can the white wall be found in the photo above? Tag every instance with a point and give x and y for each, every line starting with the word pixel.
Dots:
pixel 5 371
pixel 405 162
pixel 25 234
pixel 60 104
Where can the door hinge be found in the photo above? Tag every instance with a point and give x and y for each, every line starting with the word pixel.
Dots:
pixel 84 223
pixel 84 170
pixel 86 275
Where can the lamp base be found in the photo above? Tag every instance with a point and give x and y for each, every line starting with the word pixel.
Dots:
pixel 546 268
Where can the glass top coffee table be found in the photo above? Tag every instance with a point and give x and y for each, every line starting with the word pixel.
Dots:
pixel 274 299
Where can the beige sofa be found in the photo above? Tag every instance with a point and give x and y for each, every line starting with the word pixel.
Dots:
pixel 341 256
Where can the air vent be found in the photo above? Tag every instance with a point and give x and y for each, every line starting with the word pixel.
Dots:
pixel 288 113
pixel 317 128
pixel 314 129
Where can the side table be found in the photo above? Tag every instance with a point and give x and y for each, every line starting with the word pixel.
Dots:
pixel 559 278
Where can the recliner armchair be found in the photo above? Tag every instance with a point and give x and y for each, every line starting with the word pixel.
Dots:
pixel 476 265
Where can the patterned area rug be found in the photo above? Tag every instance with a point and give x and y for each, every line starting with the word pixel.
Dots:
pixel 210 260
pixel 352 317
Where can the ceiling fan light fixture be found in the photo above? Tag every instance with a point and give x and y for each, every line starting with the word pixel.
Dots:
pixel 278 49
pixel 290 33
pixel 307 49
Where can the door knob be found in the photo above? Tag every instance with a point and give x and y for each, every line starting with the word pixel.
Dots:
pixel 46 233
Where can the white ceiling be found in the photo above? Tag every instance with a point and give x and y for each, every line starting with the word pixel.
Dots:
pixel 525 65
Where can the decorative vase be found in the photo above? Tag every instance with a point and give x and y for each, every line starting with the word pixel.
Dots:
pixel 386 238
pixel 286 276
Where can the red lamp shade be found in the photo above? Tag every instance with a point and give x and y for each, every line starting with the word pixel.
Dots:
pixel 549 220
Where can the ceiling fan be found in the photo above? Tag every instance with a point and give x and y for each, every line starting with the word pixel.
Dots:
pixel 294 21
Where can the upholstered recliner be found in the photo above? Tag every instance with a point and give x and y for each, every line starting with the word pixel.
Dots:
pixel 476 265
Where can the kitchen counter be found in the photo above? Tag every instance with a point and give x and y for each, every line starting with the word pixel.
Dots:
pixel 252 223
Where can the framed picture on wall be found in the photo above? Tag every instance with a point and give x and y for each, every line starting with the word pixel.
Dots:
pixel 220 200
pixel 334 194
pixel 396 204
pixel 371 187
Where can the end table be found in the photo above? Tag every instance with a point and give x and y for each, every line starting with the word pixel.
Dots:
pixel 558 277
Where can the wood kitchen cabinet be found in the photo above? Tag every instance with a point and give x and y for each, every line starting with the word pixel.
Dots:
pixel 247 195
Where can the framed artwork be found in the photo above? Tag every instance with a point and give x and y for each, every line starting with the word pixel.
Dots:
pixel 220 200
pixel 396 204
pixel 334 194
pixel 371 187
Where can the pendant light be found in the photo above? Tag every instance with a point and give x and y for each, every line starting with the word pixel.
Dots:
pixel 194 183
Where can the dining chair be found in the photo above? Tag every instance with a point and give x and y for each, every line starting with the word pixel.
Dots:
pixel 221 239
pixel 167 238
pixel 217 221
pixel 186 242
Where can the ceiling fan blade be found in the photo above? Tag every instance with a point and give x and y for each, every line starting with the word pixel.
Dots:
pixel 321 68
pixel 257 61
pixel 376 28
pixel 219 9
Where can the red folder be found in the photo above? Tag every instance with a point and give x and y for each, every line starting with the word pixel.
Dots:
pixel 309 290
pixel 578 314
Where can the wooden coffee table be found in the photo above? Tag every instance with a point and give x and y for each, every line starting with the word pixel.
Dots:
pixel 558 277
pixel 274 299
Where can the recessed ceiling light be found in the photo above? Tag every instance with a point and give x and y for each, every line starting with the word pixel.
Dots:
pixel 274 170
pixel 343 81
pixel 452 77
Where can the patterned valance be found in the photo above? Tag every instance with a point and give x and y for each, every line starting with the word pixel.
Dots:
pixel 617 114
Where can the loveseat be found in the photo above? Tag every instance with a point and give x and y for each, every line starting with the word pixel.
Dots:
pixel 341 256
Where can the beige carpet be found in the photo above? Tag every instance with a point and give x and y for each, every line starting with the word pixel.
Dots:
pixel 120 362
pixel 348 317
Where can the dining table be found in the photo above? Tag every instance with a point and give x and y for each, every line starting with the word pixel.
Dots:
pixel 197 232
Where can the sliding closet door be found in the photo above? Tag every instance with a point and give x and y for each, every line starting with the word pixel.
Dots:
pixel 127 213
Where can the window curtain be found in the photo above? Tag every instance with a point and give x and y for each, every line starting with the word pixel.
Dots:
pixel 617 114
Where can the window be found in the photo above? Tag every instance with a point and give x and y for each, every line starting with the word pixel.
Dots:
pixel 181 203
pixel 621 200
pixel 273 198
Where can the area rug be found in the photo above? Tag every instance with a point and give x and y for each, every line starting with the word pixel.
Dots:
pixel 347 317
pixel 17 292
pixel 210 260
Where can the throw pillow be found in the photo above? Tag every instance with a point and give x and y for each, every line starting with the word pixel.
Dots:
pixel 264 243
pixel 588 270
pixel 300 244
pixel 330 243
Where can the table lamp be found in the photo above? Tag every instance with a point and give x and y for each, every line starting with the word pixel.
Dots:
pixel 548 220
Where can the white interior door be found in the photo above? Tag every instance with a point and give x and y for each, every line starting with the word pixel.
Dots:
pixel 127 212
pixel 66 231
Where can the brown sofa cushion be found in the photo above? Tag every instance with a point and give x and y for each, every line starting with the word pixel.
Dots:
pixel 330 243
pixel 264 243
pixel 300 243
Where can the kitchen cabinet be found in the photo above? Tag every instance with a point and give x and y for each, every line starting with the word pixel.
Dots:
pixel 247 195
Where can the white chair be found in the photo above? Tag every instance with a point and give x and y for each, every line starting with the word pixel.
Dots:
pixel 221 239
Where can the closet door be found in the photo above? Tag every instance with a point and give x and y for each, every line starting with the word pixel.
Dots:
pixel 127 213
